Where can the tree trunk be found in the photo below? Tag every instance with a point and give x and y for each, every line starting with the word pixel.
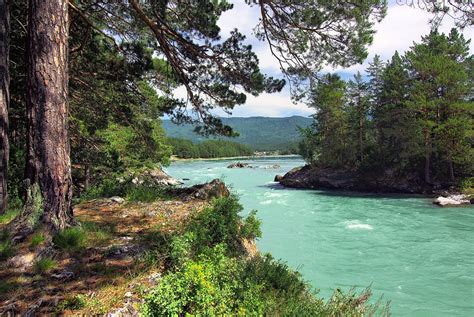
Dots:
pixel 4 100
pixel 451 170
pixel 48 161
pixel 427 158
pixel 87 176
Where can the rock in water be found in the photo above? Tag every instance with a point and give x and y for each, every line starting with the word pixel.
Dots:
pixel 453 200
pixel 239 165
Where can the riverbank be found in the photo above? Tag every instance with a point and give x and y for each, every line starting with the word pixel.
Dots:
pixel 188 252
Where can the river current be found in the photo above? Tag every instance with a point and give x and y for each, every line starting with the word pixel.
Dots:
pixel 418 256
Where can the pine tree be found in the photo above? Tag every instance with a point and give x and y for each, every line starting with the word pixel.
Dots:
pixel 438 67
pixel 331 121
pixel 358 100
pixel 4 100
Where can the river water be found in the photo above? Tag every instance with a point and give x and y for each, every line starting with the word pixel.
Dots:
pixel 418 256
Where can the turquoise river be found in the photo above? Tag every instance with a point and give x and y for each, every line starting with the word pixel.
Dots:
pixel 418 256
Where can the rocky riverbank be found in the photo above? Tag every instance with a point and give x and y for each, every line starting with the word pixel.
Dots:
pixel 308 177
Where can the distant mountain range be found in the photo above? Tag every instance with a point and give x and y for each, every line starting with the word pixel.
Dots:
pixel 260 133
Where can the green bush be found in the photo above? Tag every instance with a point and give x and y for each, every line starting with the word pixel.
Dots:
pixel 206 286
pixel 70 239
pixel 44 265
pixel 221 223
pixel 251 226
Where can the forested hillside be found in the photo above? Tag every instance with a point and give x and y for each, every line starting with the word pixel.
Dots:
pixel 260 133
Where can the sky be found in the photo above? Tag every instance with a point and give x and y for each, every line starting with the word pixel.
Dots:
pixel 402 26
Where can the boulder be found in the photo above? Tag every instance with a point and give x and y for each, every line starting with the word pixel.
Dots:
pixel 214 189
pixel 278 178
pixel 117 199
pixel 155 177
pixel 453 200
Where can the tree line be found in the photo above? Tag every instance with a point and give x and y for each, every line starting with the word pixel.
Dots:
pixel 183 148
pixel 411 114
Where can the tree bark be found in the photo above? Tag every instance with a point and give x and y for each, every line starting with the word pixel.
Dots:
pixel 427 158
pixel 451 170
pixel 48 161
pixel 4 100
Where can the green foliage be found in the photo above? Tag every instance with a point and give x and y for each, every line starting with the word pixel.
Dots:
pixel 72 303
pixel 70 239
pixel 208 149
pixel 9 215
pixel 207 285
pixel 221 223
pixel 36 240
pixel 251 227
pixel 145 193
pixel 6 249
pixel 44 265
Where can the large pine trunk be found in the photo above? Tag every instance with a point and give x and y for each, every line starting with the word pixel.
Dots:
pixel 48 164
pixel 4 100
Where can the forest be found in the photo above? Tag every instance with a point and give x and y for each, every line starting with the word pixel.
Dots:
pixel 183 148
pixel 413 114
pixel 87 226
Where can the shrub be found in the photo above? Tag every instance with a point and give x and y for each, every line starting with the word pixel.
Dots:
pixel 70 239
pixel 44 265
pixel 206 286
pixel 221 223
pixel 251 226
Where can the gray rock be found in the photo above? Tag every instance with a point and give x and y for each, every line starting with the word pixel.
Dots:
pixel 117 199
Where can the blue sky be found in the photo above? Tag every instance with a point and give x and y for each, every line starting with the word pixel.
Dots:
pixel 402 26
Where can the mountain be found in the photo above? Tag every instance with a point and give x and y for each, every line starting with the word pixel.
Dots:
pixel 260 133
